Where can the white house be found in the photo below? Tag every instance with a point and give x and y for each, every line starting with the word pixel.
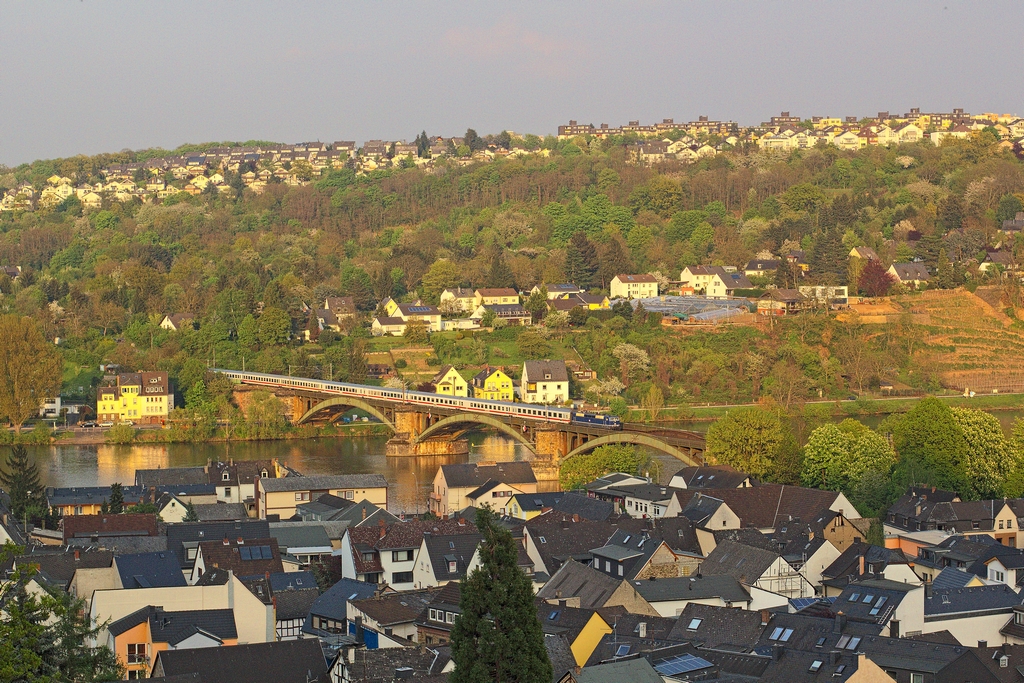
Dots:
pixel 544 381
pixel 634 287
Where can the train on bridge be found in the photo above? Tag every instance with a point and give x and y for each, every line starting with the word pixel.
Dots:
pixel 528 411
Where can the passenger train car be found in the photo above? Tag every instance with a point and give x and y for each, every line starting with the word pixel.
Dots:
pixel 472 405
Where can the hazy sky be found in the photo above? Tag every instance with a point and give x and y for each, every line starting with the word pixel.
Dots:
pixel 93 76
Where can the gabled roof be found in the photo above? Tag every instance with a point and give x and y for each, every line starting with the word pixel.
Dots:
pixel 697 587
pixel 332 602
pixel 85 526
pixel 847 565
pixel 323 483
pixel 291 536
pixel 910 271
pixel 951 603
pixel 496 291
pixel 173 627
pixel 220 512
pixel 295 603
pixel 394 608
pixel 768 505
pixel 539 370
pixel 149 570
pixel 634 670
pixel 58 565
pixel 471 474
pixel 289 661
pixel 638 278
pixel 443 550
pixel 192 533
pixel 576 580
pixel 719 627
pixel 742 562
pixel 171 476
pixel 559 537
pixel 241 558
pixel 712 476
pixel 561 620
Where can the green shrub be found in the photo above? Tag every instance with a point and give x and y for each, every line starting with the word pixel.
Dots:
pixel 401 363
pixel 120 434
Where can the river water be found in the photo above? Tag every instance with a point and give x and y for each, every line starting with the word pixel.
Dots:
pixel 409 477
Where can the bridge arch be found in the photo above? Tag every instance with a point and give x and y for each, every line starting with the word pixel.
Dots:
pixel 636 439
pixel 345 402
pixel 462 419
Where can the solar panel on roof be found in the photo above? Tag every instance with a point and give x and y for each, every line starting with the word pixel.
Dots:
pixel 681 664
pixel 245 552
pixel 267 553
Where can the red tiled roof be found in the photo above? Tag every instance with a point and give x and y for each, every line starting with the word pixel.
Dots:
pixel 83 526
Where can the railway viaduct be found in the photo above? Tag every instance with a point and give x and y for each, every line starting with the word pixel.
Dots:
pixel 437 430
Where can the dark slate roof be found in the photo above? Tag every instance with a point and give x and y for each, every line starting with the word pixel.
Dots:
pixel 58 565
pixel 290 661
pixel 299 536
pixel 572 503
pixel 742 562
pixel 558 538
pixel 537 369
pixel 952 603
pixel 701 508
pixel 634 670
pixel 217 512
pixel 292 580
pixel 951 578
pixel 712 476
pixel 767 505
pixel 695 587
pixel 295 604
pixel 238 557
pixel 847 565
pixel 88 526
pixel 911 271
pixel 322 483
pixel 872 600
pixel 149 570
pixel 364 513
pixel 171 476
pixel 442 550
pixel 381 665
pixel 724 628
pixel 560 654
pixel 196 532
pixel 534 502
pixel 332 603
pixel 576 580
pixel 471 474
pixel 122 545
pixel 562 620
pixel 174 627
pixel 394 608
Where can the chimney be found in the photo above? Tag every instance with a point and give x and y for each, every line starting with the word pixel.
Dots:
pixel 777 651
pixel 840 623
pixel 575 518
pixel 359 630
pixel 982 643
pixel 836 656
pixel 643 629
pixel 894 628
pixel 383 530
pixel 765 617
pixel 78 554
pixel 364 512
pixel 227 541
pixel 860 561
pixel 927 589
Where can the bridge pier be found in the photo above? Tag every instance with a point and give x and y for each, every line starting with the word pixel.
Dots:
pixel 409 425
pixel 550 446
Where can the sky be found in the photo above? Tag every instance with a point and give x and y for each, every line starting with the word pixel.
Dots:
pixel 90 76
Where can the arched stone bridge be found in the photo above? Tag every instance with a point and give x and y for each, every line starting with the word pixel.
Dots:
pixel 436 429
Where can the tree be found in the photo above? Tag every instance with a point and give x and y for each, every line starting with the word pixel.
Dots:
pixel 837 457
pixel 652 402
pixel 474 141
pixel 500 275
pixel 30 369
pixel 633 362
pixel 442 275
pixel 423 145
pixel 754 440
pixel 613 261
pixel 248 333
pixel 21 481
pixel 497 636
pixel 951 213
pixel 582 469
pixel 357 365
pixel 116 502
pixel 190 513
pixel 991 458
pixel 415 331
pixel 275 327
pixel 1009 206
pixel 944 272
pixel 828 258
pixel 931 447
pixel 580 260
pixel 537 303
pixel 874 279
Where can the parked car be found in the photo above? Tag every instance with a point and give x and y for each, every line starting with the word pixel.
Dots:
pixel 89 425
pixel 106 424
pixel 128 422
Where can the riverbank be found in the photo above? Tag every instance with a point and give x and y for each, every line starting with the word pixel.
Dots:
pixel 851 408
pixel 97 437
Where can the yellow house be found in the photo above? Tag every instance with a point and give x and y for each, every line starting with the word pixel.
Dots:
pixel 280 496
pixel 582 640
pixel 496 296
pixel 449 382
pixel 493 385
pixel 136 638
pixel 138 397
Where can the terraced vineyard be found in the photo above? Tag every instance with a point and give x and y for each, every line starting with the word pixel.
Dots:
pixel 968 342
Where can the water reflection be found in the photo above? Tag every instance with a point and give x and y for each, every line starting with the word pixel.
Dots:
pixel 410 478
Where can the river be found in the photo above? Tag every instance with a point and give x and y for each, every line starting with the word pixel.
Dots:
pixel 409 478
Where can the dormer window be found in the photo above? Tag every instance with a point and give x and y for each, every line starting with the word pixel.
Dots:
pixel 225 476
pixel 263 474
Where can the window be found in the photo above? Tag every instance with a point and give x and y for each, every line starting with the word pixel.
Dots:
pixel 694 624
pixel 225 476
pixel 190 553
pixel 622 651
pixel 815 665
pixel 868 598
pixel 855 597
pixel 974 525
pixel 916 678
pixel 136 653
pixel 854 642
pixel 453 566
pixel 1000 524
pixel 227 492
pixel 542 539
pixel 302 495
pixel 368 557
pixel 786 635
pixel 401 556
pixel 776 633
pixel 843 642
pixel 840 669
pixel 608 566
pixel 878 606
pixel 821 641
pixel 620 570
pixel 401 577
pixel 449 617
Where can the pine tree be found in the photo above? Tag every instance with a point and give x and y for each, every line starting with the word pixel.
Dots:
pixel 613 261
pixel 190 513
pixel 498 637
pixel 500 274
pixel 829 256
pixel 946 277
pixel 21 481
pixel 580 261
pixel 116 498
pixel 357 368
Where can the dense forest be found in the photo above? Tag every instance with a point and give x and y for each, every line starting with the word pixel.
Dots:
pixel 248 265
